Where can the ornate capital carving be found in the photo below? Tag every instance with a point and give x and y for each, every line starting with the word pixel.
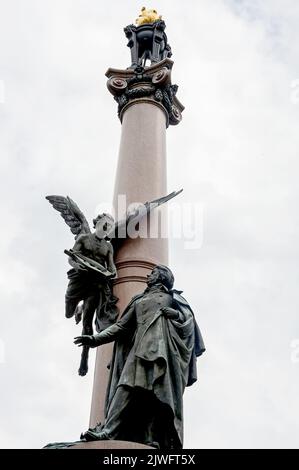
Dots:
pixel 149 84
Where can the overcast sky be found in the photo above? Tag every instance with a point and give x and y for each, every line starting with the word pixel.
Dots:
pixel 235 154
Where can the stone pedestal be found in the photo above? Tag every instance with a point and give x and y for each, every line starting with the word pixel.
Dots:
pixel 146 106
pixel 106 445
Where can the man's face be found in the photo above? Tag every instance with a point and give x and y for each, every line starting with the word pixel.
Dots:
pixel 153 277
pixel 103 226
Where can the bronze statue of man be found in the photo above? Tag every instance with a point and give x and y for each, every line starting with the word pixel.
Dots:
pixel 157 341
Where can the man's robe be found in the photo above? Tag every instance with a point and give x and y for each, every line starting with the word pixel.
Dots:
pixel 159 357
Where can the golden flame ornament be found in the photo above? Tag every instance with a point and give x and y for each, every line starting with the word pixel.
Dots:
pixel 148 16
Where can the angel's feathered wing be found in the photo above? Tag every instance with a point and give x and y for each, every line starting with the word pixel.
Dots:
pixel 116 234
pixel 71 214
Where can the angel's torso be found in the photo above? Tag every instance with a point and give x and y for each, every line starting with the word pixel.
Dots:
pixel 95 248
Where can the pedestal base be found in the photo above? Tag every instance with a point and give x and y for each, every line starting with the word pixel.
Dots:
pixel 109 445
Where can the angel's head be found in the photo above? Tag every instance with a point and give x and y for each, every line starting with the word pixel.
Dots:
pixel 102 224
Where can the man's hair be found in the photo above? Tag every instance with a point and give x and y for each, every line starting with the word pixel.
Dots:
pixel 166 276
pixel 108 217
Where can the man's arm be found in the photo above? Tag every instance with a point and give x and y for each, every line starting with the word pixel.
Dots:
pixel 112 333
pixel 173 314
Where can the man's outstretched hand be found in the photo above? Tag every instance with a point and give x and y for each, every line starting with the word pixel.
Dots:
pixel 85 340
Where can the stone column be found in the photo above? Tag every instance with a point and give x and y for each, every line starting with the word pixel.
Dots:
pixel 146 106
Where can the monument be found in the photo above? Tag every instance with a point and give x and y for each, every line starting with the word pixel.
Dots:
pixel 139 382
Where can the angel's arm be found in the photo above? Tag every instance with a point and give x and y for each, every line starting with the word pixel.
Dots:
pixel 78 247
pixel 79 244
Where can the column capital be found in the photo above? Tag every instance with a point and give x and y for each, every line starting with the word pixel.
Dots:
pixel 146 84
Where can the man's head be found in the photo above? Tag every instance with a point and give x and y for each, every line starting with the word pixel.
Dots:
pixel 103 223
pixel 161 274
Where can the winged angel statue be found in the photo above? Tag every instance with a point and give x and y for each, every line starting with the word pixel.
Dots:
pixel 89 292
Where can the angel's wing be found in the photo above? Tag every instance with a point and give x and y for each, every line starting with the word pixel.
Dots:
pixel 71 214
pixel 118 233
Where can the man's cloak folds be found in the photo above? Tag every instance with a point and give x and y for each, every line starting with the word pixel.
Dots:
pixel 162 360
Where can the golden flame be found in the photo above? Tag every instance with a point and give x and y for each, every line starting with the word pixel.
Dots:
pixel 148 16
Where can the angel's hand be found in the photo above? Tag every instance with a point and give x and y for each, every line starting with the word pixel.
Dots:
pixel 83 269
pixel 170 313
pixel 133 210
pixel 74 264
pixel 85 340
pixel 78 267
pixel 111 276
